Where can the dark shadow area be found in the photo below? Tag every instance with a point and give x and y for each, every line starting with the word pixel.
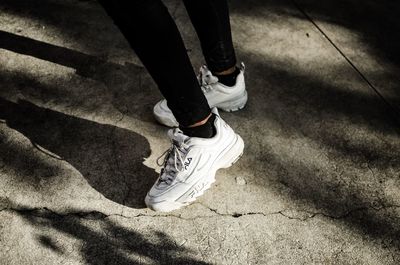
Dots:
pixel 83 63
pixel 48 242
pixel 134 92
pixel 111 244
pixel 16 160
pixel 375 23
pixel 307 107
pixel 110 158
pixel 62 18
pixel 318 111
pixel 303 106
pixel 378 22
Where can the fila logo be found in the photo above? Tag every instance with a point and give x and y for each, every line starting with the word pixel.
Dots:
pixel 187 163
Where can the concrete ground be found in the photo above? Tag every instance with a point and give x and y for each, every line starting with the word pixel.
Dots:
pixel 319 182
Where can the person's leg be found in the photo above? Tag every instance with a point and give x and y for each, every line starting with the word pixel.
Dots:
pixel 190 164
pixel 152 33
pixel 210 19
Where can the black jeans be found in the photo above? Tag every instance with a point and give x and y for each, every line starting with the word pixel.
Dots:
pixel 154 36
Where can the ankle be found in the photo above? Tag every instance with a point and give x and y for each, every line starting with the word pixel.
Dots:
pixel 227 71
pixel 205 130
pixel 228 79
pixel 202 122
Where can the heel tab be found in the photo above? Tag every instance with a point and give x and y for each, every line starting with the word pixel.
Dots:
pixel 215 111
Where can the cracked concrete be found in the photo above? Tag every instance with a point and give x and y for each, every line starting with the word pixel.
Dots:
pixel 319 182
pixel 290 214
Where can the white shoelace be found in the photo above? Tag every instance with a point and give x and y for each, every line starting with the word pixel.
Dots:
pixel 206 79
pixel 174 158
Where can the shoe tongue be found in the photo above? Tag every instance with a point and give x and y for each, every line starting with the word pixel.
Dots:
pixel 206 76
pixel 177 136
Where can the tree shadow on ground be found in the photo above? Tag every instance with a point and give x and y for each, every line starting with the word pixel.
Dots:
pixel 110 158
pixel 104 241
pixel 62 19
pixel 305 106
pixel 308 106
pixel 372 23
pixel 377 22
pixel 133 91
pixel 349 128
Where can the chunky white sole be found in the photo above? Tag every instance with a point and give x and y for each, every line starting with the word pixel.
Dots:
pixel 227 158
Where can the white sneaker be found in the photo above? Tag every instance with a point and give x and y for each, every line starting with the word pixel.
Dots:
pixel 217 94
pixel 190 166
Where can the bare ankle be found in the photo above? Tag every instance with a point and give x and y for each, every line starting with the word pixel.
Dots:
pixel 227 71
pixel 200 122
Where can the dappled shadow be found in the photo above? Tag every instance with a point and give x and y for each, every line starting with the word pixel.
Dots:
pixel 374 24
pixel 349 125
pixel 110 158
pixel 355 134
pixel 320 111
pixel 314 104
pixel 377 22
pixel 133 91
pixel 104 241
pixel 61 18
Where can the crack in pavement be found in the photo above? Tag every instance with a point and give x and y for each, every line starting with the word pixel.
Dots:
pixel 309 213
pixel 336 217
pixel 97 215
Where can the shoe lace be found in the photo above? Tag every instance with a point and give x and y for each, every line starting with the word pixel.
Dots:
pixel 206 79
pixel 172 163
